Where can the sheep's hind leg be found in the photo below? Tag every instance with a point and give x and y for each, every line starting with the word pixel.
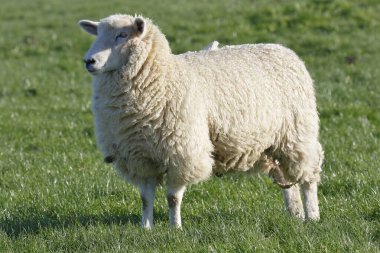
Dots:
pixel 310 191
pixel 147 190
pixel 293 201
pixel 174 196
pixel 290 191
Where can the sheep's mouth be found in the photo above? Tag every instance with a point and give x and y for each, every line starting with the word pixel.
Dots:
pixel 92 70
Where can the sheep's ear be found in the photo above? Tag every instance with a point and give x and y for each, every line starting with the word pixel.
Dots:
pixel 140 26
pixel 89 26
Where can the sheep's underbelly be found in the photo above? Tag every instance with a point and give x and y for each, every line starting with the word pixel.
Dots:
pixel 236 158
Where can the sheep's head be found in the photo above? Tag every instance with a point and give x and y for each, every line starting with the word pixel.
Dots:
pixel 115 36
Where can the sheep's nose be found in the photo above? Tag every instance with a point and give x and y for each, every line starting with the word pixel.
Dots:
pixel 89 62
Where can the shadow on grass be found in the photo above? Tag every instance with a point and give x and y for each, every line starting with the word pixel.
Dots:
pixel 373 216
pixel 37 222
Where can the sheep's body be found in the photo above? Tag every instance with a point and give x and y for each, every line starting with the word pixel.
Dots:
pixel 248 107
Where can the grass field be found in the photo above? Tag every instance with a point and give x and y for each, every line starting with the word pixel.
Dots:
pixel 56 194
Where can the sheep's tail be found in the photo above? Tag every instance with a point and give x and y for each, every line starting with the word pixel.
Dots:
pixel 278 177
pixel 272 168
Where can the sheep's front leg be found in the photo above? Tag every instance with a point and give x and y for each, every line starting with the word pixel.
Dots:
pixel 147 190
pixel 310 191
pixel 175 195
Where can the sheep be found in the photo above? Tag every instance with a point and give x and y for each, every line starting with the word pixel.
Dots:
pixel 212 46
pixel 179 119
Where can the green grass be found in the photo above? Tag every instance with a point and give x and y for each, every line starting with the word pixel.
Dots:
pixel 56 194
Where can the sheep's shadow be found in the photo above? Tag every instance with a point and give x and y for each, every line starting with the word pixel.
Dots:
pixel 36 222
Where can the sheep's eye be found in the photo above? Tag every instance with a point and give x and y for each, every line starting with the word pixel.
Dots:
pixel 121 35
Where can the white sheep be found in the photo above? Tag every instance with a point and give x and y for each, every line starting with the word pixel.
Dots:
pixel 185 117
pixel 212 46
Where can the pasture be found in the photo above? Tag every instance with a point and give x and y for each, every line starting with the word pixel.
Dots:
pixel 57 195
